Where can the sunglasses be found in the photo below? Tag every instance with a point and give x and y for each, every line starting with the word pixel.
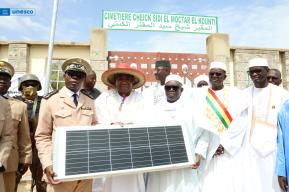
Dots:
pixel 217 74
pixel 174 88
pixel 257 71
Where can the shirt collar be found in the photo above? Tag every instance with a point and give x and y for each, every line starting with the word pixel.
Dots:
pixel 70 93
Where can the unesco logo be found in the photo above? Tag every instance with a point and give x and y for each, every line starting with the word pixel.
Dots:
pixel 17 12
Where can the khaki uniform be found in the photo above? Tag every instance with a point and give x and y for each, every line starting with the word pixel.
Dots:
pixel 5 136
pixel 21 147
pixel 59 110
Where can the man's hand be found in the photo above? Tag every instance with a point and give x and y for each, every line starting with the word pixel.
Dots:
pixel 283 183
pixel 50 174
pixel 118 123
pixel 220 150
pixel 121 124
pixel 197 161
pixel 22 168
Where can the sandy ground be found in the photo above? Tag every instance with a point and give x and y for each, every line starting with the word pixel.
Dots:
pixel 24 185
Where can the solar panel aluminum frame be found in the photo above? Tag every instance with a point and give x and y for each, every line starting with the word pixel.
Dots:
pixel 59 151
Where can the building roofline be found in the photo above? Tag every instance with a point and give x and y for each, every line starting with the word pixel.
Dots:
pixel 81 44
pixel 87 44
pixel 161 52
pixel 258 48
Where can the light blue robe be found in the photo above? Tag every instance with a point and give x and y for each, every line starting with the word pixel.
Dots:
pixel 282 164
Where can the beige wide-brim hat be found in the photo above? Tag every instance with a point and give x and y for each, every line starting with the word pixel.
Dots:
pixel 108 77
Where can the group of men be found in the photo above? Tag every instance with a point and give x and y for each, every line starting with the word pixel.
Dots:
pixel 24 111
pixel 232 133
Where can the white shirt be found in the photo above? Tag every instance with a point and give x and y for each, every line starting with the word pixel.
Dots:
pixel 260 142
pixel 71 93
pixel 111 108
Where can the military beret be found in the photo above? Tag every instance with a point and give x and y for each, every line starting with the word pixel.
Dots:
pixel 76 64
pixel 7 68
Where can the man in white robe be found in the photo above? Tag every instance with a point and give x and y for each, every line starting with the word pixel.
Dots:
pixel 201 80
pixel 178 110
pixel 225 114
pixel 155 93
pixel 265 100
pixel 121 106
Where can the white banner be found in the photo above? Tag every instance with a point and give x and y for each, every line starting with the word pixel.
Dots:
pixel 159 22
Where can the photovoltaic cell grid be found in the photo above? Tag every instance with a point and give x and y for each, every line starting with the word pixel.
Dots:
pixel 92 151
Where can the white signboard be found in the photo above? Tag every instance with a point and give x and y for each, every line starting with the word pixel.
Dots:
pixel 159 22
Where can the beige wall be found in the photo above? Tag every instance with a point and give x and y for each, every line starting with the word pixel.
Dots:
pixel 38 56
pixel 277 58
pixel 4 52
pixel 218 49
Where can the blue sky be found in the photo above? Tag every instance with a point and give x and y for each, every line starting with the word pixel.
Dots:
pixel 258 23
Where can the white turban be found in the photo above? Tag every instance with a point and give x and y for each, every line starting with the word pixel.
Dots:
pixel 174 78
pixel 200 78
pixel 258 62
pixel 218 64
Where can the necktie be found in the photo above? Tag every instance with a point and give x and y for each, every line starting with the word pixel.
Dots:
pixel 75 99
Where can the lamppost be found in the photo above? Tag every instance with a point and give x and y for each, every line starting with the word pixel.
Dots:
pixel 185 71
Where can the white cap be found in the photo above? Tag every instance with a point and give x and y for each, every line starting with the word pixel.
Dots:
pixel 218 64
pixel 174 78
pixel 200 78
pixel 258 62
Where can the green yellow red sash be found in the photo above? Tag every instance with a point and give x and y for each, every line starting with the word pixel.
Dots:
pixel 219 108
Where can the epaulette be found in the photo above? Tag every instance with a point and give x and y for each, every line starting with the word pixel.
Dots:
pixel 18 97
pixel 85 93
pixel 50 94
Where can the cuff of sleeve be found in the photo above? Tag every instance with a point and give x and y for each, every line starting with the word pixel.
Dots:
pixel 281 172
pixel 44 167
pixel 46 164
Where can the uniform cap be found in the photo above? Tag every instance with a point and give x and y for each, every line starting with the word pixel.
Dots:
pixel 6 68
pixel 76 64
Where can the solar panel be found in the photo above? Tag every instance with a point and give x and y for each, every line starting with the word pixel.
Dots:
pixel 87 152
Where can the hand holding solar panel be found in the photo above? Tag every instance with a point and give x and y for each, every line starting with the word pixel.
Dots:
pixel 50 175
pixel 89 152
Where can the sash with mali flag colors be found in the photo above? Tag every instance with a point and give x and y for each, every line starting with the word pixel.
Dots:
pixel 219 108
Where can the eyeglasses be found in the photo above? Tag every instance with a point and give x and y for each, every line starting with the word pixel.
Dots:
pixel 257 71
pixel 174 88
pixel 217 74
